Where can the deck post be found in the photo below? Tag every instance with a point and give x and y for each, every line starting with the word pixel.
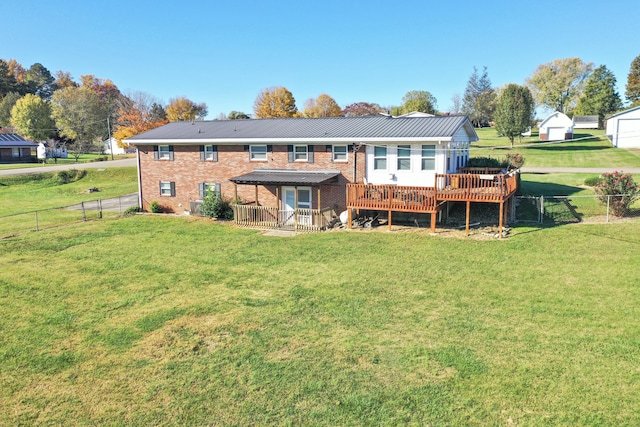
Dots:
pixel 349 217
pixel 433 222
pixel 389 225
pixel 256 194
pixel 468 215
pixel 235 191
pixel 501 217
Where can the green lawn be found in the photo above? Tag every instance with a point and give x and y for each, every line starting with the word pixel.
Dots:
pixel 84 158
pixel 592 149
pixel 155 320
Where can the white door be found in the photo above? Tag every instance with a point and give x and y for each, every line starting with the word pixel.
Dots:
pixel 628 133
pixel 555 134
pixel 289 204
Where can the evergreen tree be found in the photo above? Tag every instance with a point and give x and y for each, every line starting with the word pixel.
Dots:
pixel 478 102
pixel 599 97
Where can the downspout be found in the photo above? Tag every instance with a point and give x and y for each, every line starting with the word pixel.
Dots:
pixel 139 178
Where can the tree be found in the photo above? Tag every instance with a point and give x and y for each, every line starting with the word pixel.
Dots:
pixel 6 105
pixel 275 102
pixel 633 82
pixel 183 109
pixel 599 97
pixel 238 115
pixel 31 116
pixel 514 111
pixel 323 106
pixel 80 116
pixel 157 112
pixel 8 82
pixel 617 190
pixel 360 109
pixel 64 79
pixel 40 82
pixel 478 101
pixel 137 117
pixel 456 104
pixel 417 100
pixel 558 84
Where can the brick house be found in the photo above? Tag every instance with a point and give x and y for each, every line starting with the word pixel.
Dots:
pixel 16 149
pixel 298 171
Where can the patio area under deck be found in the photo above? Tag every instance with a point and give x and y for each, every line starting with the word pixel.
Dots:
pixel 464 187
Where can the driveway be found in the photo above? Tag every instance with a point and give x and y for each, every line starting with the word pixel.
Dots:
pixel 52 168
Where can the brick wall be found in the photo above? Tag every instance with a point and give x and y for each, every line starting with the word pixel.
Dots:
pixel 186 170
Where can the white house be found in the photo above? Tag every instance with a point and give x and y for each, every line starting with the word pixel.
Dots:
pixel 585 122
pixel 623 129
pixel 556 127
pixel 111 146
pixel 47 152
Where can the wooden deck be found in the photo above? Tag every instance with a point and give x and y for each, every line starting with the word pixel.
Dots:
pixel 464 187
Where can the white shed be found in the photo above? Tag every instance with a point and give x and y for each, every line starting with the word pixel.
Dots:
pixel 623 129
pixel 556 127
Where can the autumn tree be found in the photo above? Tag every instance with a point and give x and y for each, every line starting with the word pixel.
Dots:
pixel 137 116
pixel 322 106
pixel 416 100
pixel 8 82
pixel 360 109
pixel 79 116
pixel 558 84
pixel 6 105
pixel 514 111
pixel 599 97
pixel 632 92
pixel 31 117
pixel 183 109
pixel 275 102
pixel 64 79
pixel 237 115
pixel 478 101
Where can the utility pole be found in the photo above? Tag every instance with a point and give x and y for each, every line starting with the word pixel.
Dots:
pixel 110 139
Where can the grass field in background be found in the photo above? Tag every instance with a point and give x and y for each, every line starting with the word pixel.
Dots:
pixel 585 151
pixel 84 158
pixel 154 320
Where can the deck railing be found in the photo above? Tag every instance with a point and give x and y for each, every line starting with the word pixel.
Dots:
pixel 475 187
pixel 391 197
pixel 274 218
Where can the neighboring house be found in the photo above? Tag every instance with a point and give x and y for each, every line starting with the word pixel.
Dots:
pixel 16 149
pixel 623 129
pixel 46 152
pixel 585 122
pixel 298 171
pixel 111 146
pixel 556 127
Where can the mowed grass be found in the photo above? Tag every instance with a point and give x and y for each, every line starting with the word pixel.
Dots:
pixel 84 158
pixel 153 320
pixel 590 149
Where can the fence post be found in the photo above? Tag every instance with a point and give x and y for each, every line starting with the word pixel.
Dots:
pixel 37 221
pixel 99 208
pixel 84 215
pixel 608 200
pixel 541 213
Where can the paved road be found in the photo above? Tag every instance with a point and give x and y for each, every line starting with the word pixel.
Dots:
pixel 53 168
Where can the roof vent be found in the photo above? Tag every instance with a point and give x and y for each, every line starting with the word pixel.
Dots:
pixel 199 130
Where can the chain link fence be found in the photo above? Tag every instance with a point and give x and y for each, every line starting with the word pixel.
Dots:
pixel 42 219
pixel 549 210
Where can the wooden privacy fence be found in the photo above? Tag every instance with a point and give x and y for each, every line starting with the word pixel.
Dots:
pixel 275 218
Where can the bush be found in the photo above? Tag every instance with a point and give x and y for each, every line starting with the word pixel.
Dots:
pixel 592 181
pixel 67 176
pixel 513 161
pixel 483 162
pixel 214 206
pixel 155 207
pixel 132 210
pixel 617 189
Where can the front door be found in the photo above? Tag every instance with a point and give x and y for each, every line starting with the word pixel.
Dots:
pixel 289 204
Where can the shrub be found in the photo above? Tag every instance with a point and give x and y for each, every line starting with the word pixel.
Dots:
pixel 592 181
pixel 155 207
pixel 67 176
pixel 484 162
pixel 513 161
pixel 617 189
pixel 214 206
pixel 132 210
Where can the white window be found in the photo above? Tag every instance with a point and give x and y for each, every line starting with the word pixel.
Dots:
pixel 164 152
pixel 167 188
pixel 15 152
pixel 210 153
pixel 340 153
pixel 205 187
pixel 258 152
pixel 428 157
pixel 380 157
pixel 300 153
pixel 404 157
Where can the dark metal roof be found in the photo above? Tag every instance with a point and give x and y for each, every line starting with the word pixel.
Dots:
pixel 285 177
pixel 329 129
pixel 15 140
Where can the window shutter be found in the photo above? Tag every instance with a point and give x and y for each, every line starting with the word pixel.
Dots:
pixel 329 149
pixel 269 148
pixel 310 153
pixel 215 153
pixel 156 155
pixel 160 187
pixel 173 189
pixel 290 153
pixel 201 191
pixel 246 148
pixel 171 152
pixel 202 153
pixel 350 148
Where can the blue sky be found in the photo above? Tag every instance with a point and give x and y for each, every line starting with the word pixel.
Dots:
pixel 223 53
